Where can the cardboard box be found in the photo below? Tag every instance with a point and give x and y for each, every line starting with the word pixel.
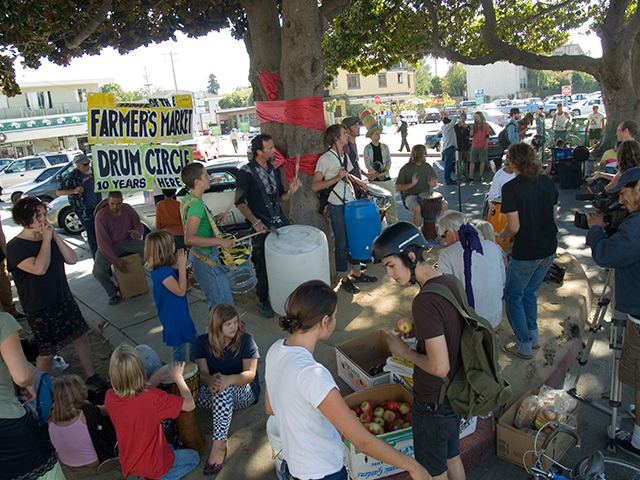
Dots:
pixel 356 357
pixel 512 443
pixel 361 466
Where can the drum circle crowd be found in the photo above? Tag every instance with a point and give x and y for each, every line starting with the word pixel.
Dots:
pixel 222 374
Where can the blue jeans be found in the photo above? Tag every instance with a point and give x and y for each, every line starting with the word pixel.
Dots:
pixel 336 214
pixel 213 280
pixel 179 353
pixel 449 157
pixel 436 435
pixel 339 475
pixel 524 278
pixel 185 461
pixel 90 229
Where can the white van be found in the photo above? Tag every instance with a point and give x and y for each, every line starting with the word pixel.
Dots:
pixel 26 169
pixel 410 116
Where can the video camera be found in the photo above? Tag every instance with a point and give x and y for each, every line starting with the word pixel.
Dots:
pixel 614 212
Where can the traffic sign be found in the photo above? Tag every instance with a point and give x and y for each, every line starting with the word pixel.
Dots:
pixel 566 90
pixel 376 100
pixel 480 92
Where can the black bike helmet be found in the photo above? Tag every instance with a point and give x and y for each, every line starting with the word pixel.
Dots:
pixel 395 240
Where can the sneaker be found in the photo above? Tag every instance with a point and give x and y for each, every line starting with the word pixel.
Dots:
pixel 632 411
pixel 265 310
pixel 20 316
pixel 623 441
pixel 114 300
pixel 98 381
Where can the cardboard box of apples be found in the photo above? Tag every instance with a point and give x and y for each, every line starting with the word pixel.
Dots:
pixel 391 398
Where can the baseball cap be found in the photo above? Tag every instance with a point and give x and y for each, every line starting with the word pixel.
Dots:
pixel 82 159
pixel 540 107
pixel 350 121
pixel 628 176
pixel 514 110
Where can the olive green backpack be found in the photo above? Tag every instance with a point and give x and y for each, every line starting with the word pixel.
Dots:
pixel 477 388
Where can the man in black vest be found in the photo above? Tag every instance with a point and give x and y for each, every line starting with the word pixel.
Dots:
pixel 352 124
pixel 258 197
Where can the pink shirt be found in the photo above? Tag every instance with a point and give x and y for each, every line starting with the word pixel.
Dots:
pixel 73 443
pixel 480 138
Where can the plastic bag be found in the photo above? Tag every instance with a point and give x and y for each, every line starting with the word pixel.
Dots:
pixel 526 414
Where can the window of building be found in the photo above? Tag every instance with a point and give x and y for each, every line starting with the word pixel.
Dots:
pixel 382 80
pixel 37 100
pixel 335 83
pixel 353 81
pixel 523 83
pixel 408 81
pixel 338 110
pixel 400 78
pixel 81 94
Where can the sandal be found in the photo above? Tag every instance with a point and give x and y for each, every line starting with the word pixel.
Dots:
pixel 349 286
pixel 364 278
pixel 212 469
pixel 114 300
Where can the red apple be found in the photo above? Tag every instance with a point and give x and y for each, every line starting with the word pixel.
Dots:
pixel 399 416
pixel 379 421
pixel 356 410
pixel 392 405
pixel 366 418
pixel 404 325
pixel 378 412
pixel 406 425
pixel 389 416
pixel 375 429
pixel 387 426
pixel 366 407
pixel 398 424
pixel 384 405
pixel 407 417
pixel 404 408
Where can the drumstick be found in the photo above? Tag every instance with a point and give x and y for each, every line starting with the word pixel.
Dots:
pixel 297 166
pixel 252 235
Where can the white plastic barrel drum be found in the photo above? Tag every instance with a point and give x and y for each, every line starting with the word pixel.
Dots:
pixel 294 255
pixel 276 445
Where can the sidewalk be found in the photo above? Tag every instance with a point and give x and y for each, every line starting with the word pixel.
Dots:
pixel 562 315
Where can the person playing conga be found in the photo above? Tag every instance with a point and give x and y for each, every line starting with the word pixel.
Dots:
pixel 417 177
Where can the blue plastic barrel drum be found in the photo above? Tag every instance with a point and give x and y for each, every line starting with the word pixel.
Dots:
pixel 362 220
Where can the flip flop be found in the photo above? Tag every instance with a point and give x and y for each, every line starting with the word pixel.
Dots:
pixel 212 469
pixel 364 278
pixel 511 348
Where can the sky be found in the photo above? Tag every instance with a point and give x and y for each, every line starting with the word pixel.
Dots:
pixel 194 60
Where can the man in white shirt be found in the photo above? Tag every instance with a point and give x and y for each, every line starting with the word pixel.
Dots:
pixel 595 125
pixel 559 123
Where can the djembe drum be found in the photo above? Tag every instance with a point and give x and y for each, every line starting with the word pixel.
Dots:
pixel 498 219
pixel 187 425
pixel 430 205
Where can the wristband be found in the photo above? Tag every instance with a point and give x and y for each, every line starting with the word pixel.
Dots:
pixel 289 192
pixel 256 223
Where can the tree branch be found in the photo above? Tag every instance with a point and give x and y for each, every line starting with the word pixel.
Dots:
pixel 632 30
pixel 540 13
pixel 330 9
pixel 91 26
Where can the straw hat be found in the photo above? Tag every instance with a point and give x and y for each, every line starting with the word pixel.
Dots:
pixel 370 122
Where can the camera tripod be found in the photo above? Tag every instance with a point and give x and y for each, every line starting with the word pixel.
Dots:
pixel 615 343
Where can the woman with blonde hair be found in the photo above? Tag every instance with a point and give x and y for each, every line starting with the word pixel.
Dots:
pixel 81 432
pixel 309 410
pixel 228 360
pixel 479 131
pixel 137 409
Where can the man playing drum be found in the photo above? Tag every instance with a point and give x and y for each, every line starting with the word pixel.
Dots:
pixel 414 178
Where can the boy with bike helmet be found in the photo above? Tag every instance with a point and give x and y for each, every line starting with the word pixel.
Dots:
pixel 438 327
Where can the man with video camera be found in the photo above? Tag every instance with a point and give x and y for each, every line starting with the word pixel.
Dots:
pixel 621 251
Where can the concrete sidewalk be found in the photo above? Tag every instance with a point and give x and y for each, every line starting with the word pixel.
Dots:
pixel 562 311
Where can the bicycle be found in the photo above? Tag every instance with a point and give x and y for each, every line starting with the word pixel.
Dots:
pixel 594 467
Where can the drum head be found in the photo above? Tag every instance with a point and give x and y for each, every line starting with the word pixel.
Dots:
pixel 497 200
pixel 378 191
pixel 430 195
pixel 190 370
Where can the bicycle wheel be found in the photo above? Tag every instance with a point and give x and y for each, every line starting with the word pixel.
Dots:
pixel 614 469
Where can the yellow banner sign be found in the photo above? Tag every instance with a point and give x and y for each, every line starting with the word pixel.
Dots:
pixel 111 124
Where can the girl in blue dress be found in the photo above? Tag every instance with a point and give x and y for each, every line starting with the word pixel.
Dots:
pixel 170 292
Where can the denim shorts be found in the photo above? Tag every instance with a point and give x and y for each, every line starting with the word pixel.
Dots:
pixel 436 435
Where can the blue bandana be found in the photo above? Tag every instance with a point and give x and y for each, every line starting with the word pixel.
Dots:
pixel 470 243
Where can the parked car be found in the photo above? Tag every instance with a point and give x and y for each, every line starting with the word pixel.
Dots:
pixel 4 162
pixel 410 116
pixel 204 149
pixel 525 105
pixel 468 104
pixel 585 107
pixel 219 198
pixel 13 194
pixel 578 97
pixel 495 116
pixel 26 169
pixel 495 151
pixel 430 115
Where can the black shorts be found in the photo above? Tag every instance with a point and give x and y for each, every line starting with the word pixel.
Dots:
pixel 595 134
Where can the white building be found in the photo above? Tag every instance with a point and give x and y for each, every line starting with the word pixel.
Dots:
pixel 499 79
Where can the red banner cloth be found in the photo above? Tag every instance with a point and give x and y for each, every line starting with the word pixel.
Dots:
pixel 307 164
pixel 268 81
pixel 307 112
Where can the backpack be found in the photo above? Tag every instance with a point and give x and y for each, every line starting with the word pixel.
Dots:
pixel 555 274
pixel 477 387
pixel 503 138
pixel 40 406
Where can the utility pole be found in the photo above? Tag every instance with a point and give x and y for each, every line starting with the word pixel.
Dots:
pixel 173 69
pixel 146 79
